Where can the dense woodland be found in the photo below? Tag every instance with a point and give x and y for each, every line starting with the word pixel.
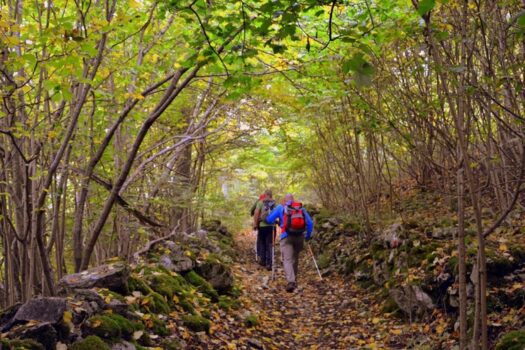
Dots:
pixel 124 121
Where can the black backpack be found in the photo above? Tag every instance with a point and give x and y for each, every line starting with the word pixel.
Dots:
pixel 268 206
pixel 254 206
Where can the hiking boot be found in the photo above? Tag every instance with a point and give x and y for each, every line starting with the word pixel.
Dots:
pixel 290 287
pixel 269 268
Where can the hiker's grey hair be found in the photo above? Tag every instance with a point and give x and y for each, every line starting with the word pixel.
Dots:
pixel 288 197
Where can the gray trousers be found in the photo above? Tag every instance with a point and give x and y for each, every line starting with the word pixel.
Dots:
pixel 291 246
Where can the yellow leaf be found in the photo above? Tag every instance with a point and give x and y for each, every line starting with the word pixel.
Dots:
pixel 134 4
pixel 396 331
pixel 503 247
pixel 375 320
pixel 67 317
pixel 440 329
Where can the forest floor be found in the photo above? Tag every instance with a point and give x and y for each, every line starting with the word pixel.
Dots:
pixel 330 314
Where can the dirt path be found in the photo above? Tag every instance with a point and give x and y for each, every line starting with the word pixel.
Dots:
pixel 328 314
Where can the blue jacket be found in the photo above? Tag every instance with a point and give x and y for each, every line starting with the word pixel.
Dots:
pixel 278 212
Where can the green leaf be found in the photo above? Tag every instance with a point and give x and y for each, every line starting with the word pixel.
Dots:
pixel 425 6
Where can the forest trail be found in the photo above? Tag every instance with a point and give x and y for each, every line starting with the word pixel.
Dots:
pixel 328 314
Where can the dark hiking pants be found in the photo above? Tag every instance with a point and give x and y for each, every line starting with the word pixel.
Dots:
pixel 264 245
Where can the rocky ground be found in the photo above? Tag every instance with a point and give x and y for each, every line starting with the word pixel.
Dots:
pixel 394 290
pixel 179 293
pixel 410 263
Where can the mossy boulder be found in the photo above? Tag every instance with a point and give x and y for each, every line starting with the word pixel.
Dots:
pixel 167 285
pixel 323 261
pixel 158 326
pixel 172 344
pixel 102 326
pixel 135 283
pixel 155 303
pixel 19 344
pixel 196 323
pixel 187 306
pixel 202 285
pixel 514 340
pixel 217 273
pixel 126 326
pixel 89 343
pixel 251 321
pixel 226 303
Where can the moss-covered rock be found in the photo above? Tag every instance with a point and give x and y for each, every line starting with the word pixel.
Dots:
pixel 204 286
pixel 102 326
pixel 155 303
pixel 514 340
pixel 236 291
pixel 126 326
pixel 196 323
pixel 158 326
pixel 251 320
pixel 19 344
pixel 138 284
pixel 187 306
pixel 166 284
pixel 110 295
pixel 217 273
pixel 226 303
pixel 323 261
pixel 89 343
pixel 171 344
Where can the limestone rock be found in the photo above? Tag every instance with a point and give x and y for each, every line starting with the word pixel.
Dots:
pixel 412 300
pixel 125 345
pixel 392 236
pixel 444 232
pixel 111 276
pixel 177 260
pixel 218 274
pixel 8 314
pixel 44 310
pixel 380 273
pixel 45 333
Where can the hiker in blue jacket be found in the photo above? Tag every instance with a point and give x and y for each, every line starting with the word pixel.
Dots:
pixel 296 227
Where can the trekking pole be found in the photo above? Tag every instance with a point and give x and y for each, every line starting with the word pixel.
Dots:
pixel 273 251
pixel 315 262
pixel 256 238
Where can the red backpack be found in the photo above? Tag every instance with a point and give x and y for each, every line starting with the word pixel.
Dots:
pixel 294 219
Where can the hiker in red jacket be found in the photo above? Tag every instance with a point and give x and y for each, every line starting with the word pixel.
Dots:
pixel 296 227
